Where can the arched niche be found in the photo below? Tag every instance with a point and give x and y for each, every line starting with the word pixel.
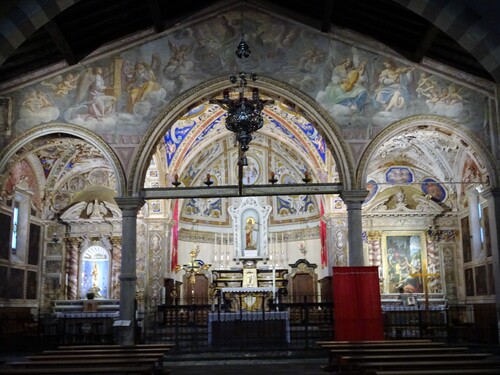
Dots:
pixel 95 272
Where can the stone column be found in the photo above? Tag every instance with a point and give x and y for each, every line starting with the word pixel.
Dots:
pixel 129 206
pixel 493 198
pixel 73 244
pixel 354 200
pixel 116 243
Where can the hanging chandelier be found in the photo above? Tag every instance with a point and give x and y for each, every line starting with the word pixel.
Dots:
pixel 244 114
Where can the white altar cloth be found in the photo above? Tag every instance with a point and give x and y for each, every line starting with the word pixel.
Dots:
pixel 249 290
pixel 248 316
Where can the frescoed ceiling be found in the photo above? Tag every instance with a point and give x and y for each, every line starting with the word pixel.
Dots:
pixel 198 145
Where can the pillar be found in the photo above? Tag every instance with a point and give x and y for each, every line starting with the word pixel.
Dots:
pixel 116 251
pixel 354 200
pixel 128 277
pixel 73 244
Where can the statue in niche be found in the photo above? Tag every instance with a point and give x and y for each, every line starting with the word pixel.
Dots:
pixel 251 230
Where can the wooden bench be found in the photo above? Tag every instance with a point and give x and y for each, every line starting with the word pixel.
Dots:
pixel 104 347
pixel 335 354
pixel 349 362
pixel 483 371
pixel 72 356
pixel 99 356
pixel 335 342
pixel 125 361
pixel 450 365
pixel 105 351
pixel 124 370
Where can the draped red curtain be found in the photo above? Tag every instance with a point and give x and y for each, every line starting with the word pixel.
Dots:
pixel 322 236
pixel 175 235
pixel 357 308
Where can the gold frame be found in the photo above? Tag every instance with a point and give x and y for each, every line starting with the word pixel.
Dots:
pixel 389 286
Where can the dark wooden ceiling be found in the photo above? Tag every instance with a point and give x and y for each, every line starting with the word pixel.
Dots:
pixel 82 28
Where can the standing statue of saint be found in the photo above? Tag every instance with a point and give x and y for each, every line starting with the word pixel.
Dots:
pixel 250 228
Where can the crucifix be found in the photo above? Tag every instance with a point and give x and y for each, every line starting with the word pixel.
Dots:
pixel 424 275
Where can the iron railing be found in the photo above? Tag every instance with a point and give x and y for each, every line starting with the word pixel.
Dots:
pixel 204 327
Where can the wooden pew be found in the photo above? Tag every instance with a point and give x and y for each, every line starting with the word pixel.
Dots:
pixel 97 347
pixel 124 370
pixel 125 361
pixel 105 351
pixel 483 371
pixel 335 342
pixel 350 362
pixel 335 354
pixel 450 365
pixel 100 356
pixel 91 357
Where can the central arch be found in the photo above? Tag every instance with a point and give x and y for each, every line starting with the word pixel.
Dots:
pixel 273 88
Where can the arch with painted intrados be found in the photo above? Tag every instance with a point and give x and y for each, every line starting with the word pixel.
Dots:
pixel 71 176
pixel 431 176
pixel 297 136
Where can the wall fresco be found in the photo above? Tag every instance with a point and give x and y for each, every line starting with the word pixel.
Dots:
pixel 363 92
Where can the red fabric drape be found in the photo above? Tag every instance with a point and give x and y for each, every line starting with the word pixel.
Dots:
pixel 322 236
pixel 175 235
pixel 357 308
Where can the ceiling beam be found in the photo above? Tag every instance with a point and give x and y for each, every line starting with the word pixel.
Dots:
pixel 61 42
pixel 156 15
pixel 425 43
pixel 327 15
pixel 234 191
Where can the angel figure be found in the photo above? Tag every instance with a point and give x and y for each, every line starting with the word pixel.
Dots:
pixel 62 86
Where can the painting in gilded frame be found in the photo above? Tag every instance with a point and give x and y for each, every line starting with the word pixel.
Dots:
pixel 403 255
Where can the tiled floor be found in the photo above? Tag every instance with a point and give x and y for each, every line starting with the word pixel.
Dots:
pixel 254 363
pixel 253 367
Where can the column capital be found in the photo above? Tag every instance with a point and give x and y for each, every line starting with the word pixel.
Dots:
pixel 351 197
pixel 130 203
pixel 73 241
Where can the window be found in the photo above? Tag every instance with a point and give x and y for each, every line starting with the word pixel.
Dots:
pixel 15 226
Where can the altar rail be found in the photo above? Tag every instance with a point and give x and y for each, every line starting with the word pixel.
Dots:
pixel 186 325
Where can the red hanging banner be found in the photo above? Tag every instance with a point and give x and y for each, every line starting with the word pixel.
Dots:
pixel 322 236
pixel 175 235
pixel 356 302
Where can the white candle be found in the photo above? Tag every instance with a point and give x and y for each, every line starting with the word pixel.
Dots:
pixel 274 284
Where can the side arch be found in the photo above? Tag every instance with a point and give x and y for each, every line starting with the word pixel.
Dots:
pixel 442 123
pixel 311 110
pixel 72 130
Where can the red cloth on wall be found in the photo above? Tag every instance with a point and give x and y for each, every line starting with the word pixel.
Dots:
pixel 322 236
pixel 356 304
pixel 175 235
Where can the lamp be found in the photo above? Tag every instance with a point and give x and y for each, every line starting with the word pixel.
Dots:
pixel 244 115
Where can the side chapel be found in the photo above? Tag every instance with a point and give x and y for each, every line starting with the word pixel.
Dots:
pixel 119 179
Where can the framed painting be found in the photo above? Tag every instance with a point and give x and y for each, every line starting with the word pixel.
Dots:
pixel 466 248
pixel 403 256
pixel 491 279
pixel 469 282
pixel 480 276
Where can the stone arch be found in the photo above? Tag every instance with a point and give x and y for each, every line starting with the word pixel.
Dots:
pixel 73 130
pixel 437 122
pixel 311 110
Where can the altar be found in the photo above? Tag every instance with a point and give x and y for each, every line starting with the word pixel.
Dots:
pixel 247 328
pixel 248 298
